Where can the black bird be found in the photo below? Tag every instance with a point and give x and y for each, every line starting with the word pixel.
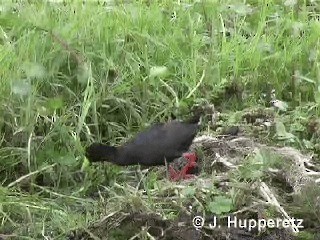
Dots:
pixel 152 147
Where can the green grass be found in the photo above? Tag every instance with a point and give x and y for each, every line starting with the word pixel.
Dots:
pixel 128 65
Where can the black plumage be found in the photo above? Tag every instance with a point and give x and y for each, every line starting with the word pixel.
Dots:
pixel 163 141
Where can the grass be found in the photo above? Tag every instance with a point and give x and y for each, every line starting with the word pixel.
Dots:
pixel 110 70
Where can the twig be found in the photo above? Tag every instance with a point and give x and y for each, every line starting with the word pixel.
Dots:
pixel 271 199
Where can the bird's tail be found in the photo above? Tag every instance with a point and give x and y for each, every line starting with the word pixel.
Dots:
pixel 199 111
pixel 196 116
pixel 194 119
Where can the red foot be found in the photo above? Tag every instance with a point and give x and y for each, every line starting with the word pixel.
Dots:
pixel 192 161
pixel 184 173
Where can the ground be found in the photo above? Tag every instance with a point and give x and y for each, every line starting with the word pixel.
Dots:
pixel 269 184
pixel 73 73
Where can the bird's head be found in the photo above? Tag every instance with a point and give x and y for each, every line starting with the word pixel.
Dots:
pixel 98 152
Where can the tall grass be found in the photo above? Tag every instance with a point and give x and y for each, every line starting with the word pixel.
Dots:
pixel 55 99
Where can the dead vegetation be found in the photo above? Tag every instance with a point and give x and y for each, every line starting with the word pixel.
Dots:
pixel 261 182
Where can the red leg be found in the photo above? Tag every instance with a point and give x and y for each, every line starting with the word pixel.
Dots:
pixel 173 174
pixel 191 157
pixel 186 169
pixel 184 173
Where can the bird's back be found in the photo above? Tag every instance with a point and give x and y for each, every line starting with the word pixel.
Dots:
pixel 169 140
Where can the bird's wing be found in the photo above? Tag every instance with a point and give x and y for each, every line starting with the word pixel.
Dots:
pixel 161 140
pixel 151 135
